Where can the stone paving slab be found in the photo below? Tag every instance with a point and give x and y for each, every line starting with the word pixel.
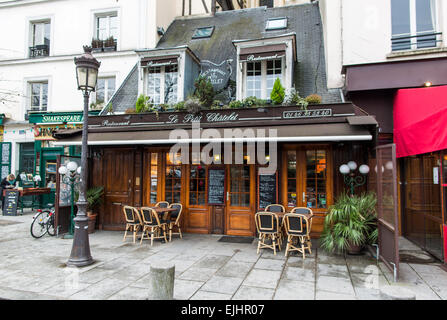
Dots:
pixel 334 284
pixel 294 290
pixel 252 293
pixel 262 278
pixel 224 285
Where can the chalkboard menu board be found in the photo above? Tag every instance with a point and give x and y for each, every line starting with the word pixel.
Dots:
pixel 267 190
pixel 216 186
pixel 11 199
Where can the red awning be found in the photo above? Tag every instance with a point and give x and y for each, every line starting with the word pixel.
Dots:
pixel 420 120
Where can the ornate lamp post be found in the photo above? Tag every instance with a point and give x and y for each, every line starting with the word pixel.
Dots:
pixel 351 180
pixel 86 74
pixel 70 172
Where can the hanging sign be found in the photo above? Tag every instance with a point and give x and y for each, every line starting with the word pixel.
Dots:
pixel 45 132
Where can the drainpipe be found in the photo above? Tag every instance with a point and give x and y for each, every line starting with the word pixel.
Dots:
pixel 213 7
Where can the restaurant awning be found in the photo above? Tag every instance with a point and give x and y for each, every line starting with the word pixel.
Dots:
pixel 420 117
pixel 159 61
pixel 262 52
pixel 286 133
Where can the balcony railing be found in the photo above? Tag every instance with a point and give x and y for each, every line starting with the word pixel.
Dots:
pixel 109 44
pixel 419 41
pixel 40 50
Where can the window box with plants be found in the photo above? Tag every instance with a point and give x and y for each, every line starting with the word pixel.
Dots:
pixel 206 98
pixel 110 44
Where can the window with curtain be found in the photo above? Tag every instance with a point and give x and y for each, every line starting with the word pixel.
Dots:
pixel 162 84
pixel 260 77
pixel 413 24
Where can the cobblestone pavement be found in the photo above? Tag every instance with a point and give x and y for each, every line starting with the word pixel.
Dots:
pixel 204 269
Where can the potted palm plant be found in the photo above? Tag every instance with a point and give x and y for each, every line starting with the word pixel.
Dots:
pixel 94 199
pixel 350 224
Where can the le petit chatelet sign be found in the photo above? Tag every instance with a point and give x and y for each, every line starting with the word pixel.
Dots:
pixel 211 116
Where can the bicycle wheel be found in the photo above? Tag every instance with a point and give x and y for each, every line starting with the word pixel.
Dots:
pixel 50 224
pixel 38 227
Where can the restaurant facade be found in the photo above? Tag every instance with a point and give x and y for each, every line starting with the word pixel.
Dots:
pixel 225 164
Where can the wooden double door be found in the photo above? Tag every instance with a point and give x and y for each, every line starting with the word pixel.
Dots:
pixel 235 216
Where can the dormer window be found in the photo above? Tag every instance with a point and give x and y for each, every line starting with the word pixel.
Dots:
pixel 167 76
pixel 261 62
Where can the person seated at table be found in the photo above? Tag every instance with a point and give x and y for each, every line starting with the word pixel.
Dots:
pixel 8 182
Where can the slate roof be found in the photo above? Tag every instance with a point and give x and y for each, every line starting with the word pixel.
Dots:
pixel 303 20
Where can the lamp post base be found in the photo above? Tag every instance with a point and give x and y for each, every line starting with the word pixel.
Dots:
pixel 80 252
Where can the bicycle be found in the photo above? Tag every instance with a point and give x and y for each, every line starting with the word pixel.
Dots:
pixel 43 223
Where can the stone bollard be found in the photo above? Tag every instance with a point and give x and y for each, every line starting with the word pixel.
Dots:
pixel 396 292
pixel 161 285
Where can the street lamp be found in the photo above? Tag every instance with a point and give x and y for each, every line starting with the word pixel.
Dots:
pixel 69 173
pixel 86 75
pixel 351 180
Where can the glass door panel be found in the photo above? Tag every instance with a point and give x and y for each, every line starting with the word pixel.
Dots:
pixel 315 191
pixel 239 193
pixel 173 179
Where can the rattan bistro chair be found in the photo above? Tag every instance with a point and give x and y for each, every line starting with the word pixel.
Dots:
pixel 267 225
pixel 133 221
pixel 275 208
pixel 175 219
pixel 298 229
pixel 162 204
pixel 153 227
pixel 304 210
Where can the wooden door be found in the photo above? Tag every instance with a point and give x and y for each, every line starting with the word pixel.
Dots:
pixel 197 210
pixel 240 204
pixel 118 166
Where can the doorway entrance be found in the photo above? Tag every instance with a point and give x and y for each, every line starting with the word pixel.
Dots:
pixel 421 202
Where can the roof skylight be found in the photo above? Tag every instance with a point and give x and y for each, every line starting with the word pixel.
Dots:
pixel 204 32
pixel 276 23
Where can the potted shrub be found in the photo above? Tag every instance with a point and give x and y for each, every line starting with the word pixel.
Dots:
pixel 96 45
pixel 350 224
pixel 278 92
pixel 109 44
pixel 94 199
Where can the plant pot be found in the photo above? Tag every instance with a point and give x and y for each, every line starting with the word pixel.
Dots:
pixel 354 249
pixel 91 222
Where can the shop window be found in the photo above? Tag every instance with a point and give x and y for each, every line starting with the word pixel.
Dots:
pixel 413 24
pixel 162 84
pixel 154 177
pixel 260 77
pixel 40 39
pixel 39 96
pixel 173 178
pixel 240 185
pixel 310 190
pixel 197 185
pixel 105 88
pixel 316 179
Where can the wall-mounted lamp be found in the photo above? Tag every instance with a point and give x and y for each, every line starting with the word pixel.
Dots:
pixel 351 180
pixel 428 84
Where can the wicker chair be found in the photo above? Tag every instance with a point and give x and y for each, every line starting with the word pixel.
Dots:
pixel 267 225
pixel 175 220
pixel 275 208
pixel 297 228
pixel 153 227
pixel 162 204
pixel 133 221
pixel 304 210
